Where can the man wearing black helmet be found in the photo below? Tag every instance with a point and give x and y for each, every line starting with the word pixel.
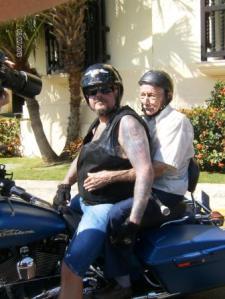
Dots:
pixel 117 139
pixel 171 134
pixel 171 142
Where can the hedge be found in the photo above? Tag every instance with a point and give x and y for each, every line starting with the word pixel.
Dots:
pixel 10 144
pixel 209 130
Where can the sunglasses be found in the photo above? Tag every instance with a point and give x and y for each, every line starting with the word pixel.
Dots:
pixel 101 89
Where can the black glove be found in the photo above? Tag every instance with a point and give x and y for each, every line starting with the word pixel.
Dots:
pixel 62 196
pixel 126 234
pixel 5 186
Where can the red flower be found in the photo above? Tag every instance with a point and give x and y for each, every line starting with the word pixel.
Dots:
pixel 221 164
pixel 199 146
pixel 199 156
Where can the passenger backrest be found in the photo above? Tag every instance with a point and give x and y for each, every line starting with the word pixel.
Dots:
pixel 193 175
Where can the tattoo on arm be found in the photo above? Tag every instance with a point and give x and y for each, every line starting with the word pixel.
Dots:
pixel 134 141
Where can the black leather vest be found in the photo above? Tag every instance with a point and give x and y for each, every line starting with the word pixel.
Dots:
pixel 102 154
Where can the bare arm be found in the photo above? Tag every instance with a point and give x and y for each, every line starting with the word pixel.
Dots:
pixel 134 142
pixel 160 168
pixel 71 176
pixel 96 180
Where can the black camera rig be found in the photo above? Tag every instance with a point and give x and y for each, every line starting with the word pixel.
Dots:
pixel 20 82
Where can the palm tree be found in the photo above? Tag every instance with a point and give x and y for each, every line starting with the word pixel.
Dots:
pixel 17 40
pixel 68 23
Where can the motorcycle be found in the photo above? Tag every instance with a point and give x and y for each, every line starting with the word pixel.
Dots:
pixel 184 257
pixel 33 240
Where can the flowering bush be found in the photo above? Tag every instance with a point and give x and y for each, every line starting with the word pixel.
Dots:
pixel 73 148
pixel 9 137
pixel 209 130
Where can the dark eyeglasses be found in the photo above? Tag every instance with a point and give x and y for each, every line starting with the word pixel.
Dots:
pixel 101 89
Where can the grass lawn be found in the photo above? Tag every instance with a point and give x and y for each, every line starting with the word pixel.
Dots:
pixel 34 169
pixel 212 178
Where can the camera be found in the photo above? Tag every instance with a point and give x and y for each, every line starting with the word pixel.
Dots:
pixel 21 83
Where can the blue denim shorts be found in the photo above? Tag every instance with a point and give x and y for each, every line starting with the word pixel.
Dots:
pixel 87 243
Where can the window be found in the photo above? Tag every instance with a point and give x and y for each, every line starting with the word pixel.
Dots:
pixel 96 33
pixel 54 61
pixel 95 39
pixel 212 29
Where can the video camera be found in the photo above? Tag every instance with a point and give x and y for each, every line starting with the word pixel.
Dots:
pixel 20 82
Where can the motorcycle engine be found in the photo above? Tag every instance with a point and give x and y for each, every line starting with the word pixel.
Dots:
pixel 46 257
pixel 8 261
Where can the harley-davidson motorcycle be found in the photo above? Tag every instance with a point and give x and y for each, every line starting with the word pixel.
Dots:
pixel 182 257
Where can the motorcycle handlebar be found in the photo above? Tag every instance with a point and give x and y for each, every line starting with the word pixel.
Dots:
pixel 164 209
pixel 20 192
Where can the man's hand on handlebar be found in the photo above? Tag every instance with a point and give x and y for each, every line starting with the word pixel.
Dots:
pixel 62 196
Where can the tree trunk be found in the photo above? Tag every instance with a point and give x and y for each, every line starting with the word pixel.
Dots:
pixel 48 155
pixel 73 128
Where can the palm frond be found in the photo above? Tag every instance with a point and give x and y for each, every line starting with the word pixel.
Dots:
pixel 29 29
pixel 32 38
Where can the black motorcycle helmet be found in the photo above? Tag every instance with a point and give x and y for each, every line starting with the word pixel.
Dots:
pixel 102 74
pixel 160 79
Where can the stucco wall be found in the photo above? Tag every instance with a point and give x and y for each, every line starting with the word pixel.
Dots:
pixel 177 49
pixel 144 34
pixel 130 42
pixel 54 109
pixel 159 34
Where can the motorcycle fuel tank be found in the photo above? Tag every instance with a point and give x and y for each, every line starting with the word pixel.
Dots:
pixel 186 258
pixel 22 223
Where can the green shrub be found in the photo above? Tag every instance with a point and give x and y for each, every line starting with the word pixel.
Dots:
pixel 209 130
pixel 217 99
pixel 9 137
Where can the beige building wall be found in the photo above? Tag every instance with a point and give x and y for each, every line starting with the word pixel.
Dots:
pixel 54 107
pixel 130 42
pixel 161 34
pixel 177 49
pixel 144 34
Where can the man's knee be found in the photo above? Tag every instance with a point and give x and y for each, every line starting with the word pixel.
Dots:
pixel 115 217
pixel 83 251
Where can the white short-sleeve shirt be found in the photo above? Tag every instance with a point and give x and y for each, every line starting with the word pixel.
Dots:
pixel 171 139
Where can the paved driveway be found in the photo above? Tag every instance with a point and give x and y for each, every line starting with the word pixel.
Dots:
pixel 47 189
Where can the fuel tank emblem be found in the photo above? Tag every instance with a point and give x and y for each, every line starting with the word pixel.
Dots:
pixel 14 232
